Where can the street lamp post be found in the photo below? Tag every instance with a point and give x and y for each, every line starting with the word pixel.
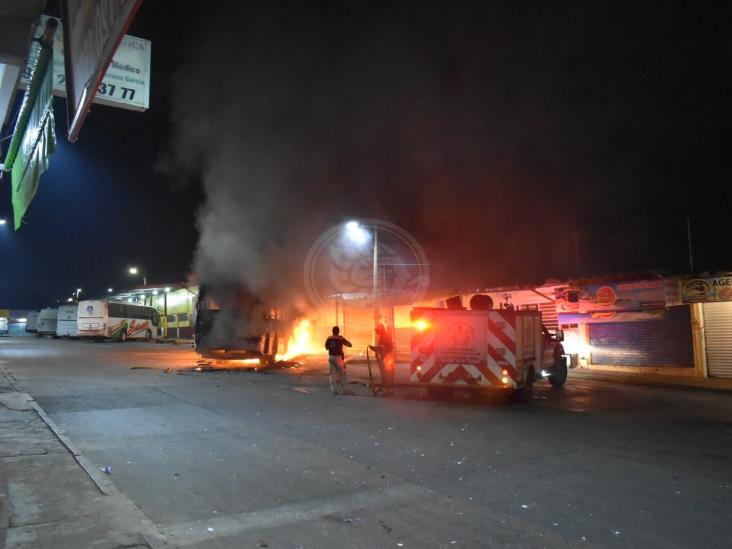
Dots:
pixel 375 280
pixel 358 234
pixel 135 271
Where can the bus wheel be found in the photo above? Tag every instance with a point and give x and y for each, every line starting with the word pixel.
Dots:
pixel 122 336
pixel 148 335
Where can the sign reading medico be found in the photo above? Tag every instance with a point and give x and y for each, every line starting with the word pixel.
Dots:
pixel 126 84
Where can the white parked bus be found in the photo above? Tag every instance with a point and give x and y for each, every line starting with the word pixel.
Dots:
pixel 67 320
pixel 47 321
pixel 101 319
pixel 31 321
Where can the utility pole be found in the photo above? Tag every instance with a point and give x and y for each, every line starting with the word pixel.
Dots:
pixel 375 280
pixel 688 238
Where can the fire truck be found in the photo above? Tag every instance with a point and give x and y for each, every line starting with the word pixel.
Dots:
pixel 484 349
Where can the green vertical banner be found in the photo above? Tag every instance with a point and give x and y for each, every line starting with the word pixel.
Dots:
pixel 37 145
pixel 34 138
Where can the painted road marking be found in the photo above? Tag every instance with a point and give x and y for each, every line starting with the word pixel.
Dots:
pixel 197 531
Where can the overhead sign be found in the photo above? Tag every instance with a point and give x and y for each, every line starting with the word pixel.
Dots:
pixel 126 83
pixel 703 290
pixel 93 29
pixel 622 296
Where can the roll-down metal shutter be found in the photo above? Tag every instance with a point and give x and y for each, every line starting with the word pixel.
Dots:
pixel 718 338
pixel 666 342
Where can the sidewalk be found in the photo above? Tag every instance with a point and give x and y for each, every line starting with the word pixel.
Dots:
pixel 654 380
pixel 358 370
pixel 48 499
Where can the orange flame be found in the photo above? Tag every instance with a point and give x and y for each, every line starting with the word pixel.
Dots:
pixel 301 341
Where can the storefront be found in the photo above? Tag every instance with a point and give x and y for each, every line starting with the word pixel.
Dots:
pixel 712 296
pixel 630 325
pixel 662 338
pixel 718 338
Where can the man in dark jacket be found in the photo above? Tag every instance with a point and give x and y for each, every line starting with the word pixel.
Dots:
pixel 337 360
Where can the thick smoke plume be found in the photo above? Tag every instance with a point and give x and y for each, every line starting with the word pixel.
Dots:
pixel 486 132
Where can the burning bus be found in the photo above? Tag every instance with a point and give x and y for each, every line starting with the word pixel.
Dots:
pixel 232 323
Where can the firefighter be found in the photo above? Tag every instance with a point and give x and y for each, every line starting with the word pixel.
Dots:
pixel 384 350
pixel 337 360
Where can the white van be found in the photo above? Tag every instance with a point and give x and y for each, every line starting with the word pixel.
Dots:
pixel 31 322
pixel 47 321
pixel 67 325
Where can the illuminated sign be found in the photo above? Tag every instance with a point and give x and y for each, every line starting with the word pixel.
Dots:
pixel 126 83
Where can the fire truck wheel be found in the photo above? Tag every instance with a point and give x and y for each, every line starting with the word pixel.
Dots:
pixel 122 336
pixel 148 335
pixel 559 376
pixel 439 393
pixel 525 393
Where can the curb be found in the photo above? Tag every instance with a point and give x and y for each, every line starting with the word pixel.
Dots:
pixel 151 534
pixel 703 384
pixel 148 529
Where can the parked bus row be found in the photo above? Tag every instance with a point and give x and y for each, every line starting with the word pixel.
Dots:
pixel 99 319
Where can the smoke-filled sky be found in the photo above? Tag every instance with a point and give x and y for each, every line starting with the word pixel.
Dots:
pixel 493 132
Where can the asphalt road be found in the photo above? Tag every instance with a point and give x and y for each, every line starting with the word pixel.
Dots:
pixel 255 459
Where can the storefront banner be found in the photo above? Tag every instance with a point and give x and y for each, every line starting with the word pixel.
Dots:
pixel 704 290
pixel 621 296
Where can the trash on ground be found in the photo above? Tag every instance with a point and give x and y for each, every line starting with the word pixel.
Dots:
pixel 107 470
pixel 302 390
pixel 210 529
pixel 524 506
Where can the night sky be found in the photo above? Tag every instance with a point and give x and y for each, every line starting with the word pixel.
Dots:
pixel 492 133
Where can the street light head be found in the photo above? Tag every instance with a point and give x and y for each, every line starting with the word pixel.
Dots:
pixel 70 299
pixel 357 233
pixel 78 290
pixel 167 290
pixel 133 270
pixel 110 290
pixel 154 292
pixel 3 221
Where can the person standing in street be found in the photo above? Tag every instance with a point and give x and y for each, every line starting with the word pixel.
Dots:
pixel 384 350
pixel 337 360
